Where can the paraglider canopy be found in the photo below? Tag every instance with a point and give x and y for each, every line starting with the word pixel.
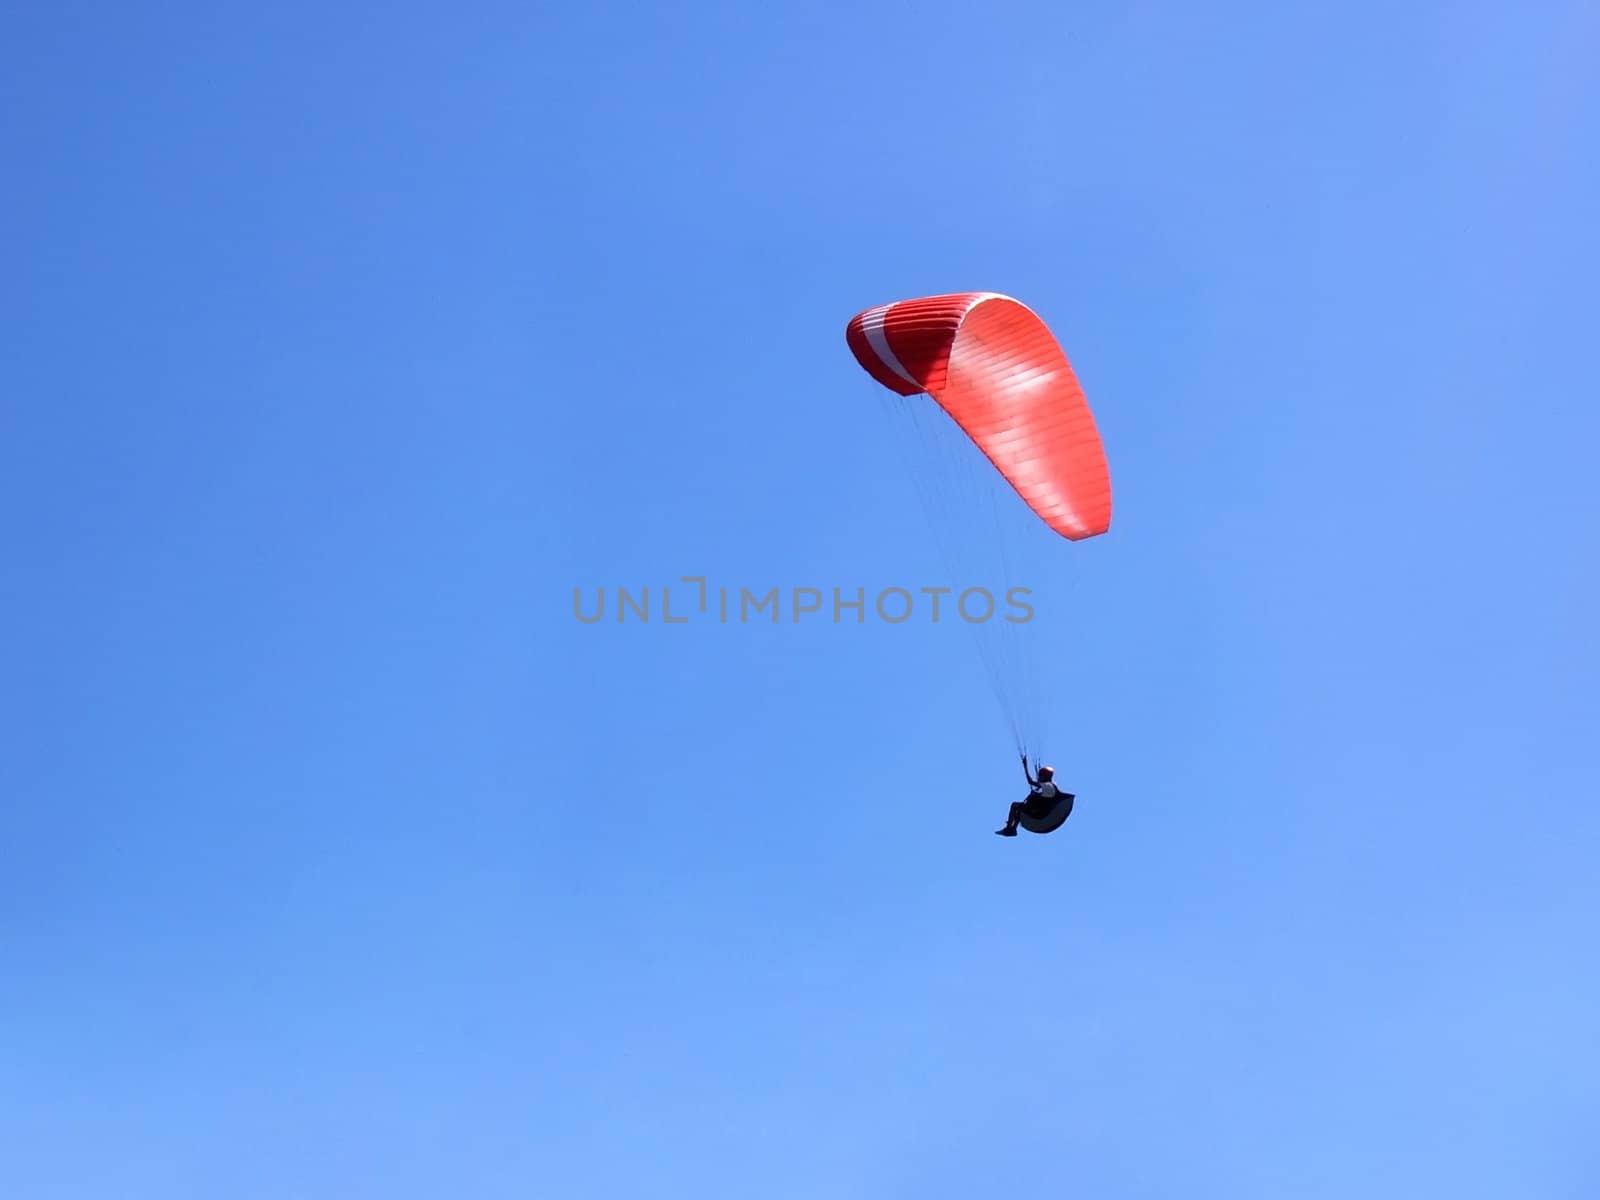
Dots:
pixel 997 370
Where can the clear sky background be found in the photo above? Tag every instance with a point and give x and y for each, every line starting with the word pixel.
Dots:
pixel 342 342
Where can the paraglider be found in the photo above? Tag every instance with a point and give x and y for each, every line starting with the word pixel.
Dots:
pixel 1000 381
pixel 1046 808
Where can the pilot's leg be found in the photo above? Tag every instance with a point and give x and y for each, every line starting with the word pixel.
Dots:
pixel 1012 815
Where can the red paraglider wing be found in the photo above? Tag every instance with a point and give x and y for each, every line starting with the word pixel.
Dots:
pixel 998 371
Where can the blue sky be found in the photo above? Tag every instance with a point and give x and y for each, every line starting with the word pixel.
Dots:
pixel 340 860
